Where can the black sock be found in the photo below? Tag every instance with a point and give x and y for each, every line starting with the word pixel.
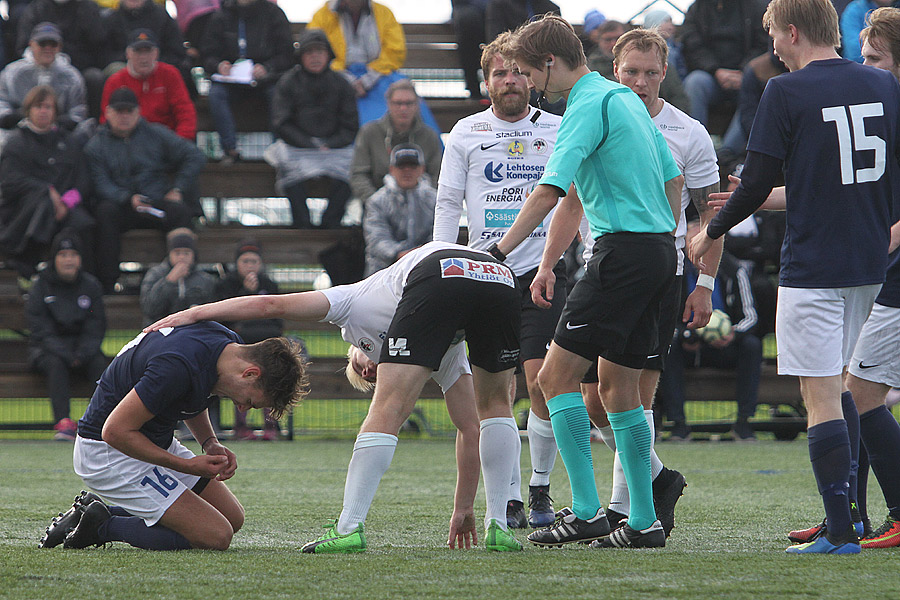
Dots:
pixel 134 531
pixel 829 452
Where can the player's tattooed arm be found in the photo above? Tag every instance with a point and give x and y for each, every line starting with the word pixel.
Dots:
pixel 700 199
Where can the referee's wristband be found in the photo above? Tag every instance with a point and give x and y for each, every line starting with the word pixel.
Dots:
pixel 495 251
pixel 707 281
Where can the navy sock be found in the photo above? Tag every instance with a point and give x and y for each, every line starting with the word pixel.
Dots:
pixel 862 480
pixel 134 531
pixel 881 433
pixel 851 416
pixel 829 452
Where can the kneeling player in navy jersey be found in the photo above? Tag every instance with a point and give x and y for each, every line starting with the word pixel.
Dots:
pixel 835 126
pixel 161 496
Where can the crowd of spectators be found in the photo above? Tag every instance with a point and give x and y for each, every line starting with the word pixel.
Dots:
pixel 98 123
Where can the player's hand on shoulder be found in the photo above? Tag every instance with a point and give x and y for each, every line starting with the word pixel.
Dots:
pixel 542 288
pixel 463 533
pixel 184 317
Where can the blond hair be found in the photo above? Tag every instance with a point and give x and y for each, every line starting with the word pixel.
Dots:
pixel 642 40
pixel 355 379
pixel 815 19
pixel 534 42
pixel 492 50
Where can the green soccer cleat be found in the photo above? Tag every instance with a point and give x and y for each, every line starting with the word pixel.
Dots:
pixel 334 543
pixel 500 540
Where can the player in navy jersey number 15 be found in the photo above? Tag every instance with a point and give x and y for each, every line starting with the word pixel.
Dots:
pixel 834 125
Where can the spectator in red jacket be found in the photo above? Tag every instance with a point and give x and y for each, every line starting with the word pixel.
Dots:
pixel 159 87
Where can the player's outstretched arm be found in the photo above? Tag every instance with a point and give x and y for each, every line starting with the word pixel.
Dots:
pixel 539 204
pixel 562 230
pixel 302 306
pixel 777 200
pixel 122 432
pixel 699 302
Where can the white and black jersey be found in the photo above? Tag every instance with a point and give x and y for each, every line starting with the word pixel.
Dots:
pixel 494 164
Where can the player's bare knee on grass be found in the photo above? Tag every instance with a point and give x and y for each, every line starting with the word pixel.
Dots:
pixel 214 538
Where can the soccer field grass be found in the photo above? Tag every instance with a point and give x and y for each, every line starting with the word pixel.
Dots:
pixel 728 541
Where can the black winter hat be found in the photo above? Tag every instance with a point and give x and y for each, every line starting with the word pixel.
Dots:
pixel 310 39
pixel 67 239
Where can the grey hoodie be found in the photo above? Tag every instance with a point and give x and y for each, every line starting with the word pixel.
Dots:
pixel 18 77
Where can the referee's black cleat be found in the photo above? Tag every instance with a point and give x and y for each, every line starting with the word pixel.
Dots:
pixel 86 533
pixel 62 524
pixel 568 529
pixel 626 537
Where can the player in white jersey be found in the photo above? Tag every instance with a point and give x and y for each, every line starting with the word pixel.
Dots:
pixel 400 318
pixel 640 63
pixel 492 161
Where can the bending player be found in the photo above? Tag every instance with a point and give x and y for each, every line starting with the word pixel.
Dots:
pixel 162 496
pixel 403 321
pixel 835 252
pixel 630 187
pixel 492 161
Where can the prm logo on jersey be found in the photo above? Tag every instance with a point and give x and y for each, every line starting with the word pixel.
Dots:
pixel 477 270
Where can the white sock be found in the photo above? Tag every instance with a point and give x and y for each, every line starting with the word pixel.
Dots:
pixel 497 446
pixel 655 464
pixel 515 481
pixel 619 500
pixel 542 446
pixel 372 454
pixel 606 434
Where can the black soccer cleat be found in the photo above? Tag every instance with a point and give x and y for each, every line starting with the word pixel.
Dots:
pixel 86 533
pixel 568 529
pixel 540 505
pixel 62 524
pixel 515 515
pixel 665 497
pixel 626 537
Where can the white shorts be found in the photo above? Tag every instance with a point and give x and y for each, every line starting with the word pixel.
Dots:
pixel 143 489
pixel 817 328
pixel 877 354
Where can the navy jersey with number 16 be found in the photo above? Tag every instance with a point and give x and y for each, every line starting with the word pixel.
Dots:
pixel 835 125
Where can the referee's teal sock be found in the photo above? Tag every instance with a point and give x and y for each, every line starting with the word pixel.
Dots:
pixel 633 443
pixel 572 430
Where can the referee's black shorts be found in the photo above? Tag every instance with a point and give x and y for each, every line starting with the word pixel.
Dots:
pixel 613 311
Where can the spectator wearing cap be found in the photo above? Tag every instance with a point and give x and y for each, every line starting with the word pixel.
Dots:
pixel 243 30
pixel 401 124
pixel 590 33
pixel 65 315
pixel 83 33
pixel 159 87
pixel 149 16
pixel 248 278
pixel 314 116
pixel 43 64
pixel 139 171
pixel 43 181
pixel 176 283
pixel 399 216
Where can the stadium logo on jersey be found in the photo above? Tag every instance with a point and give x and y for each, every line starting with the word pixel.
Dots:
pixel 512 134
pixel 366 345
pixel 516 149
pixel 477 270
pixel 397 347
pixel 483 126
pixel 492 172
